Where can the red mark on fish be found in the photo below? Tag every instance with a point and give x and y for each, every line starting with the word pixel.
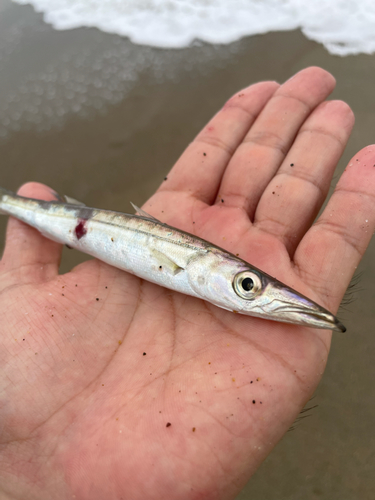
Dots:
pixel 80 229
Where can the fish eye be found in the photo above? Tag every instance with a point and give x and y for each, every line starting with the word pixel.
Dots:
pixel 247 284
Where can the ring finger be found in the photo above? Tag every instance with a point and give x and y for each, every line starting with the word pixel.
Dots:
pixel 296 193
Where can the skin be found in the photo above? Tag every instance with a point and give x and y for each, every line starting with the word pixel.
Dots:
pixel 88 386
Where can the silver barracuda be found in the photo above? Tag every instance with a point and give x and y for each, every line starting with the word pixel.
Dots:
pixel 156 252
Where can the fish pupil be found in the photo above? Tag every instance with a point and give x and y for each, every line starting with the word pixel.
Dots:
pixel 247 284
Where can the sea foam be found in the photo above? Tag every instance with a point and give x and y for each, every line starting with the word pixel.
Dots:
pixel 343 26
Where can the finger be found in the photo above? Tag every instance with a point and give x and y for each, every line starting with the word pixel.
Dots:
pixel 27 254
pixel 269 139
pixel 331 250
pixel 201 166
pixel 296 193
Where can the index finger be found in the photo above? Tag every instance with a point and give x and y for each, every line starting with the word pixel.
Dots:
pixel 200 168
pixel 331 250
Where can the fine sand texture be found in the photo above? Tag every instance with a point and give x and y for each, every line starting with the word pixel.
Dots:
pixel 119 148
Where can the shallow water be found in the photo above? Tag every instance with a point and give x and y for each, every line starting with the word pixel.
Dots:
pixel 119 146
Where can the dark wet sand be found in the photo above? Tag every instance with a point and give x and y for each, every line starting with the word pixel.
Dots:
pixel 124 153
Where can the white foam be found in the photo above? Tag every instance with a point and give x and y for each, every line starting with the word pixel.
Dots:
pixel 343 26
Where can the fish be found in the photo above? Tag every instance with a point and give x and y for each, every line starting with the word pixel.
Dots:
pixel 142 245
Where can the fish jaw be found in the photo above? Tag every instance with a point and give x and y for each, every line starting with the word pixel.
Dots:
pixel 281 303
pixel 212 277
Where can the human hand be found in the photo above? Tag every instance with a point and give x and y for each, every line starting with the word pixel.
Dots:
pixel 96 363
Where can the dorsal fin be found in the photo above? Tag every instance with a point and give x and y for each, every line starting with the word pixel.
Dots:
pixel 144 214
pixel 72 201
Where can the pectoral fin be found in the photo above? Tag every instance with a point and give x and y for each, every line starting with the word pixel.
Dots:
pixel 166 263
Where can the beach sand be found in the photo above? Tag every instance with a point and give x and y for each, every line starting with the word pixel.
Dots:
pixel 122 152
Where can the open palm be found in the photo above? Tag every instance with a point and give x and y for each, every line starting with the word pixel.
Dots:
pixel 115 388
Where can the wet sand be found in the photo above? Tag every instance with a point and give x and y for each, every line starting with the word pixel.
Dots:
pixel 123 151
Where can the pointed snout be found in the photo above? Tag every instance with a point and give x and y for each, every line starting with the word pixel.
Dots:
pixel 290 306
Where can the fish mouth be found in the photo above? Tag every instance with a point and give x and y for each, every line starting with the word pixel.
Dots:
pixel 316 318
pixel 328 318
pixel 289 306
pixel 339 327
